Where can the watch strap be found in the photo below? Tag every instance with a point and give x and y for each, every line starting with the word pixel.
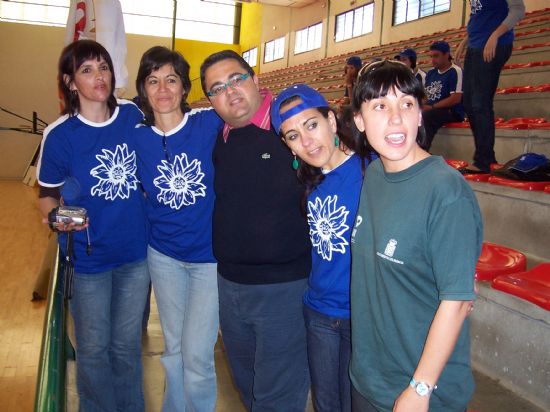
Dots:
pixel 414 384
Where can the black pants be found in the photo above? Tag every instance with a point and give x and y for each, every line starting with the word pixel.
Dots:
pixel 433 120
pixel 480 84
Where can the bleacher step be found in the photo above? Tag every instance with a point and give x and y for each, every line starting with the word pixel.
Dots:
pixel 516 218
pixel 458 143
pixel 522 105
pixel 511 342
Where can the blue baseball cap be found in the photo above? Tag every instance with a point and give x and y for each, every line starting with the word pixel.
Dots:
pixel 529 162
pixel 311 99
pixel 408 53
pixel 355 61
pixel 441 46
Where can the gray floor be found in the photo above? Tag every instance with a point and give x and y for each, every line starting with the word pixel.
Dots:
pixel 489 395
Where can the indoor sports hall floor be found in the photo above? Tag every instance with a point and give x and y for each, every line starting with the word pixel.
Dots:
pixel 22 246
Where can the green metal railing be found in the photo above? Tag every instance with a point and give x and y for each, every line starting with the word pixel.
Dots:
pixel 50 385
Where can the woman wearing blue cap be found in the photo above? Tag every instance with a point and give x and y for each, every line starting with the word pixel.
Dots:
pixel 331 167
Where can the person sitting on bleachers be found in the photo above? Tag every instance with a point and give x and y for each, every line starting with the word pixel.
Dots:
pixel 443 90
pixel 352 67
pixel 408 57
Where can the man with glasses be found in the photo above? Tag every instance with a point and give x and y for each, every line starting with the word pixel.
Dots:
pixel 261 242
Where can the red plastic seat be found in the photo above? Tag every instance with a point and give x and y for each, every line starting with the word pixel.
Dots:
pixel 545 125
pixel 456 164
pixel 506 90
pixel 518 184
pixel 514 126
pixel 457 125
pixel 520 123
pixel 524 89
pixel 477 177
pixel 540 63
pixel 496 260
pixel 532 285
pixel 527 89
pixel 515 120
pixel 515 66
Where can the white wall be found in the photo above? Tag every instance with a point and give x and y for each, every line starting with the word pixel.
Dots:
pixel 28 83
pixel 284 21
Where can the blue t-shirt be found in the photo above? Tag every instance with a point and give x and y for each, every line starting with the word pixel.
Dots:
pixel 440 85
pixel 421 76
pixel 176 171
pixel 331 210
pixel 96 169
pixel 485 17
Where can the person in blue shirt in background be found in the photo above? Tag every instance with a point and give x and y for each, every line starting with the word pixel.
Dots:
pixel 443 88
pixel 174 156
pixel 408 57
pixel 331 168
pixel 352 67
pixel 489 45
pixel 86 158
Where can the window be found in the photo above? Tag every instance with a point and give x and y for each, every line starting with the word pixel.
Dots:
pixel 274 50
pixel 201 20
pixel 308 39
pixel 251 56
pixel 205 20
pixel 42 12
pixel 409 10
pixel 354 23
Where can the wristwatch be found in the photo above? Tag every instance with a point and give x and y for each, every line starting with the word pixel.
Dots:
pixel 421 388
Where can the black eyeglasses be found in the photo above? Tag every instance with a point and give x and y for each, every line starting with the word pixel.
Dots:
pixel 165 148
pixel 233 82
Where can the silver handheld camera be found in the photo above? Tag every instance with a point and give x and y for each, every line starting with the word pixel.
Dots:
pixel 67 215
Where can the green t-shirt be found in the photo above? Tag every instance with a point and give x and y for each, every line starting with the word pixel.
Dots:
pixel 416 240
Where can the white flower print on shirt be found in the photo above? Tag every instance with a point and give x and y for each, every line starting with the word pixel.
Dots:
pixel 327 224
pixel 180 182
pixel 434 90
pixel 116 173
pixel 475 6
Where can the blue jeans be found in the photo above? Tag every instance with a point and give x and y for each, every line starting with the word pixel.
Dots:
pixel 329 351
pixel 480 85
pixel 187 300
pixel 264 336
pixel 107 309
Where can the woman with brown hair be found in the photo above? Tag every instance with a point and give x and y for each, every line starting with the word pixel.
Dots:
pixel 86 161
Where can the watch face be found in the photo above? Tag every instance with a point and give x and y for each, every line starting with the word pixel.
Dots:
pixel 422 389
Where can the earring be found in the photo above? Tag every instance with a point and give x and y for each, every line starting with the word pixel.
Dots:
pixel 74 93
pixel 336 140
pixel 295 163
